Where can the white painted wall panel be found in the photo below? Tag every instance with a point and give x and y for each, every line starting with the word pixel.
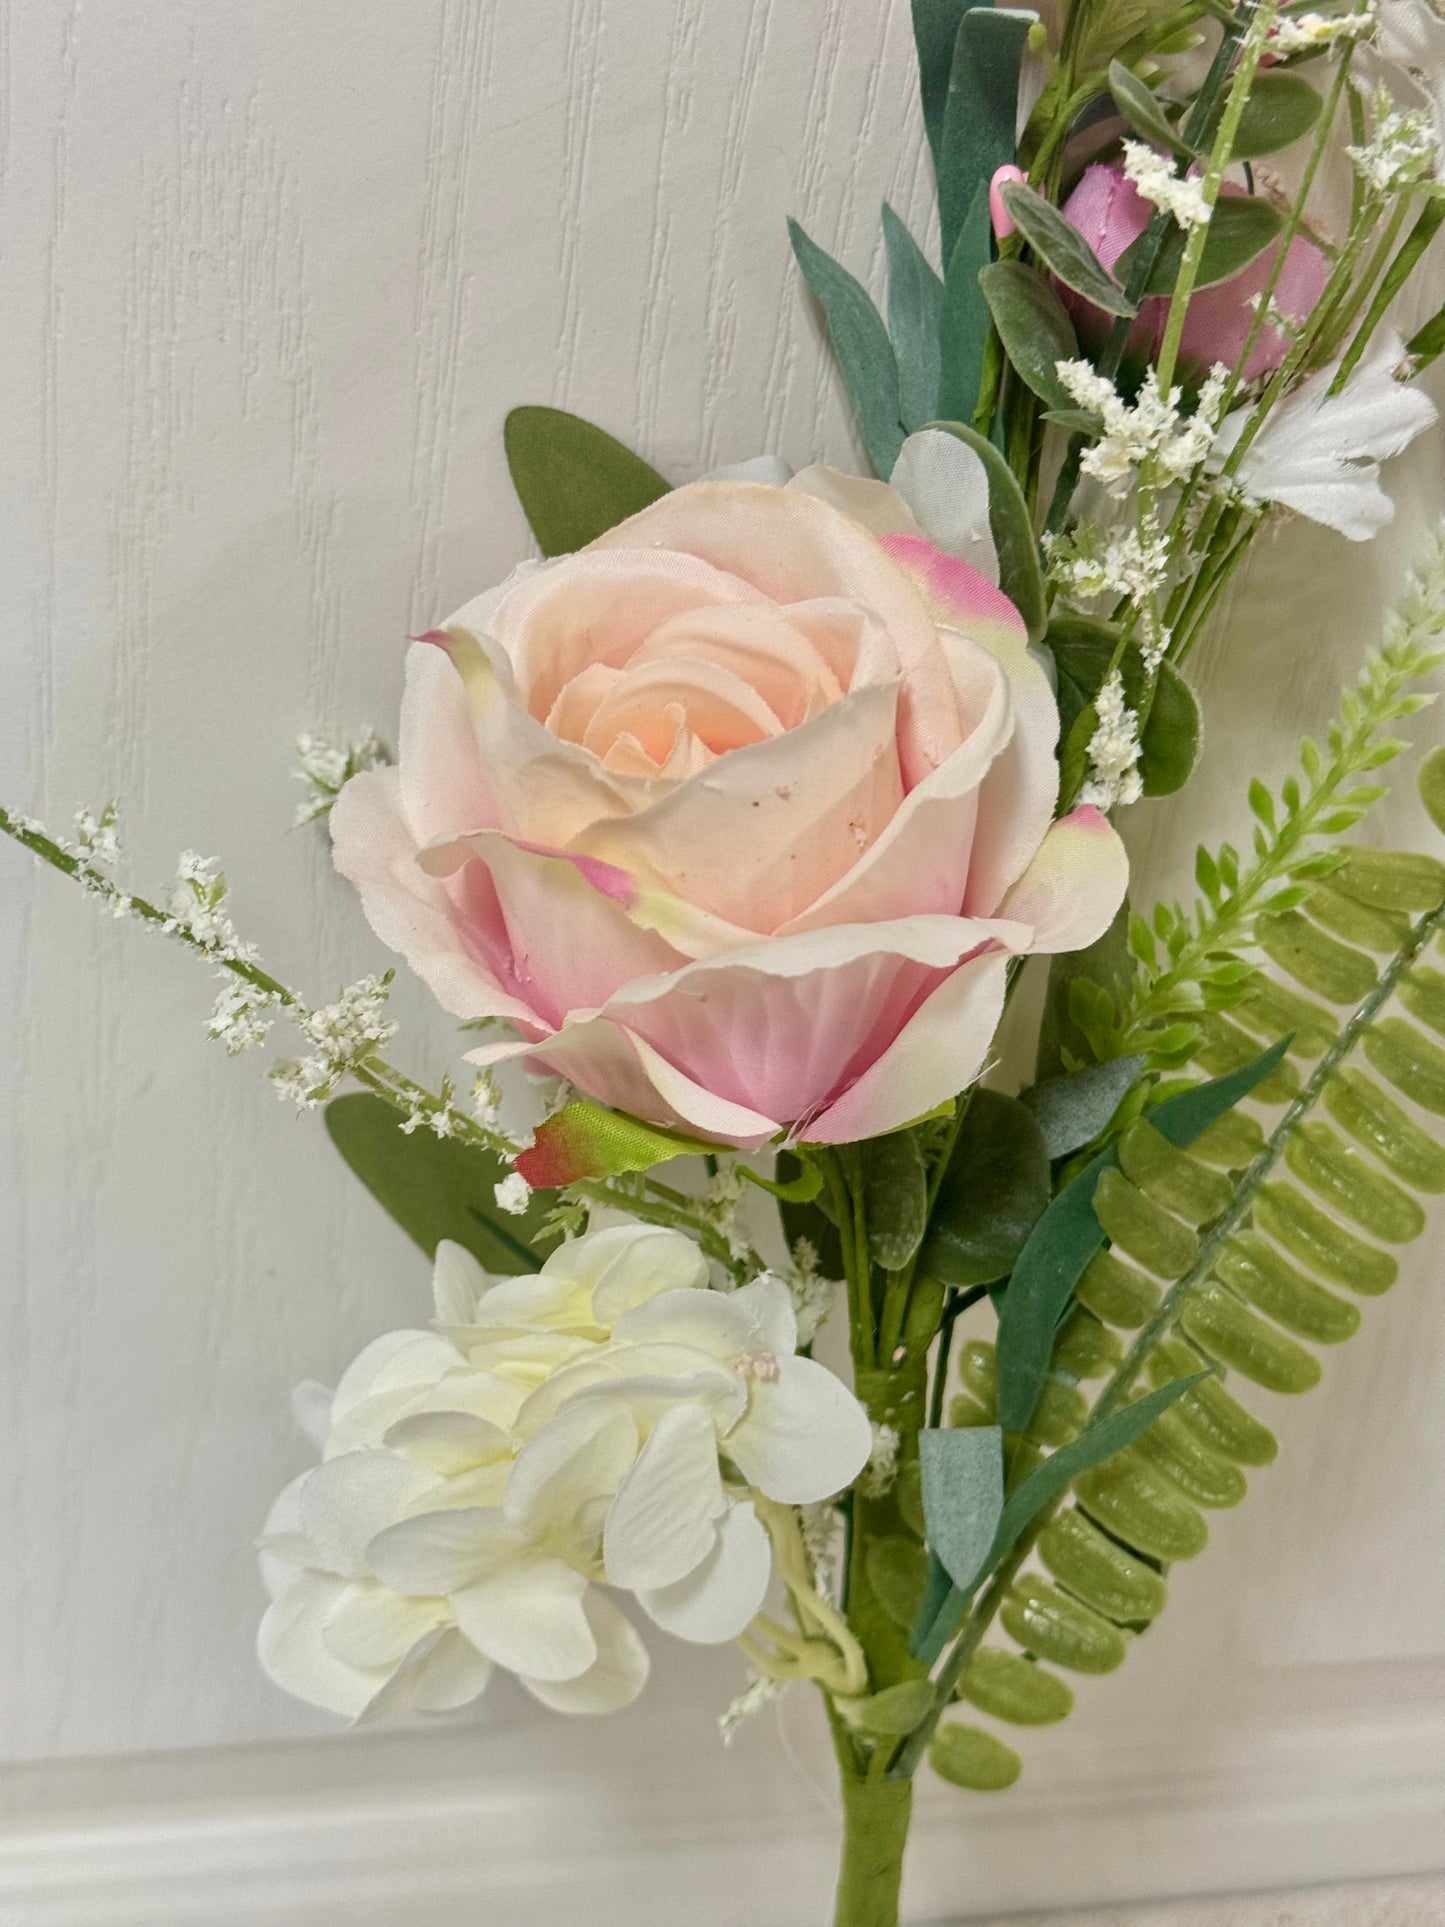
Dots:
pixel 270 276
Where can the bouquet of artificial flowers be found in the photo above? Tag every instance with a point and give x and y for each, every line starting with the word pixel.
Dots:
pixel 735 821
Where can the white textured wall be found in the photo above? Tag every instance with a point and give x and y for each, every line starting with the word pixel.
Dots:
pixel 272 274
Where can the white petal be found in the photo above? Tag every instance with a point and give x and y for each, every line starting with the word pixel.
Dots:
pixel 718 1598
pixel 804 1436
pixel 770 1310
pixel 661 1522
pixel 437 1552
pixel 945 486
pixel 579 1459
pixel 449 1442
pixel 458 1283
pixel 370 1625
pixel 714 1323
pixel 347 1501
pixel 282 1546
pixel 770 469
pixel 441 1672
pixel 482 1395
pixel 528 1617
pixel 615 1677
pixel 395 1359
pixel 311 1409
pixel 294 1654
pixel 648 1378
pixel 656 1262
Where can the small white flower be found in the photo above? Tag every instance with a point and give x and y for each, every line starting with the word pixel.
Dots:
pixel 96 837
pixel 1308 32
pixel 513 1194
pixel 325 768
pixel 1402 149
pixel 1150 437
pixel 1153 175
pixel 239 1018
pixel 1113 750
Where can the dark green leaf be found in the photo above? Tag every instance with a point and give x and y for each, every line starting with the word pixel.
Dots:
pixel 1181 1118
pixel 809 1221
pixel 980 112
pixel 915 320
pixel 1020 573
pixel 1063 250
pixel 1141 107
pixel 573 480
pixel 436 1188
pixel 993 1193
pixel 1082 650
pixel 1105 967
pixel 1072 1110
pixel 1034 327
pixel 935 35
pixel 1240 229
pixel 965 320
pixel 962 1495
pixel 1169 745
pixel 895 1197
pixel 1279 110
pixel 860 341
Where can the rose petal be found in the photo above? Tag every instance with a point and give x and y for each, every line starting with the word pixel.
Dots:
pixel 1074 885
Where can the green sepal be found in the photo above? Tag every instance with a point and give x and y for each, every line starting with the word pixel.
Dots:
pixel 584 1140
pixel 573 479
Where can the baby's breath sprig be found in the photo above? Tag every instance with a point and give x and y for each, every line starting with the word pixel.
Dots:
pixel 325 768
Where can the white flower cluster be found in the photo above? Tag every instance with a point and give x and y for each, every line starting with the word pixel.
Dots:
pixel 1113 750
pixel 1309 32
pixel 1402 149
pixel 1152 433
pixel 326 767
pixel 342 1035
pixel 97 838
pixel 607 1421
pixel 242 1016
pixel 1153 175
pixel 196 908
pixel 1091 562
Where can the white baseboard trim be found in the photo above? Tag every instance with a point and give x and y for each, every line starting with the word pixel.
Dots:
pixel 532 1825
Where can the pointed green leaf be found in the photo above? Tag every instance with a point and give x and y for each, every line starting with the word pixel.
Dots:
pixel 915 320
pixel 1072 1110
pixel 963 1496
pixel 860 341
pixel 1063 250
pixel 1182 1117
pixel 935 35
pixel 583 1140
pixel 965 320
pixel 1141 107
pixel 1020 572
pixel 1034 327
pixel 980 112
pixel 1241 227
pixel 436 1188
pixel 992 1194
pixel 573 480
pixel 1432 786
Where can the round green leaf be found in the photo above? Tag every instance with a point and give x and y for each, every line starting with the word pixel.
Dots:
pixel 1240 229
pixel 1170 743
pixel 1281 108
pixel 1082 649
pixel 1033 325
pixel 1063 250
pixel 895 1198
pixel 994 1191
pixel 966 1756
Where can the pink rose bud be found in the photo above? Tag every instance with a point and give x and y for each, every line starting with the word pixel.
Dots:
pixel 998 213
pixel 1109 212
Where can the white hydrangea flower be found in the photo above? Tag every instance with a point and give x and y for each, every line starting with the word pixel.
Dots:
pixel 602 1422
pixel 1153 175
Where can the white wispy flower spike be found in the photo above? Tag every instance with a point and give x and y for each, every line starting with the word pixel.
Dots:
pixel 1154 176
pixel 1320 454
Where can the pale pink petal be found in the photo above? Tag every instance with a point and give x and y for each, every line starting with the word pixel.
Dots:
pixel 1016 800
pixel 651 701
pixel 959 597
pixel 1075 884
pixel 939 1052
pixel 760 644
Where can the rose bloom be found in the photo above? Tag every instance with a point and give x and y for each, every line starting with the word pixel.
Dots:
pixel 736 816
pixel 1110 213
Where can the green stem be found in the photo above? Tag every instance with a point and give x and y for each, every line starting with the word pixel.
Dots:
pixel 876 1813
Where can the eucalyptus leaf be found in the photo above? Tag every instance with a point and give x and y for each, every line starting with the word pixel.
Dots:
pixel 963 1496
pixel 1073 1109
pixel 895 1197
pixel 991 1195
pixel 1241 227
pixel 1063 250
pixel 1280 109
pixel 437 1188
pixel 860 341
pixel 935 35
pixel 915 321
pixel 980 112
pixel 573 479
pixel 1140 106
pixel 1034 327
pixel 1020 571
pixel 964 323
pixel 1068 1235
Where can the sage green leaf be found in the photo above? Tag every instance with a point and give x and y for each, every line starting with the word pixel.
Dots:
pixel 1083 649
pixel 1078 421
pixel 860 341
pixel 895 1197
pixel 1432 786
pixel 1034 327
pixel 1141 107
pixel 1072 1110
pixel 1069 1233
pixel 980 112
pixel 1063 250
pixel 437 1188
pixel 1241 227
pixel 915 322
pixel 991 1195
pixel 965 319
pixel 1020 571
pixel 935 35
pixel 963 1496
pixel 893 1712
pixel 1280 109
pixel 573 479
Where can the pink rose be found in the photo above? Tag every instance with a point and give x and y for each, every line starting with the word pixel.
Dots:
pixel 1110 213
pixel 736 816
